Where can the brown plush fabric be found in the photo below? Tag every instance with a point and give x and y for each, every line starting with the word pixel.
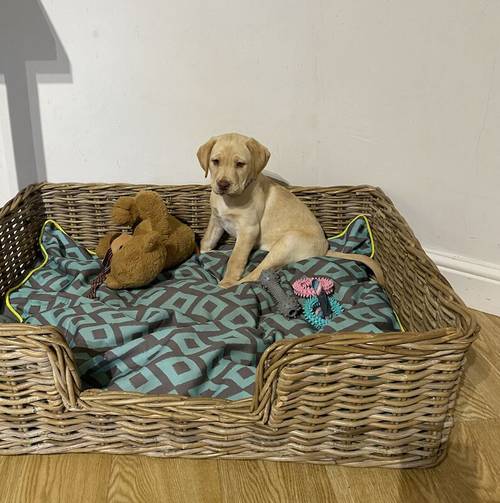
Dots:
pixel 159 241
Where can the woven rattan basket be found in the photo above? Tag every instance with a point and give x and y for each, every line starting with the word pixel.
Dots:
pixel 353 399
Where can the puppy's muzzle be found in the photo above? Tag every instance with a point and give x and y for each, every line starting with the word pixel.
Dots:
pixel 223 185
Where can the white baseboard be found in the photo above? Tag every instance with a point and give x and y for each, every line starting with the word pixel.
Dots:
pixel 477 282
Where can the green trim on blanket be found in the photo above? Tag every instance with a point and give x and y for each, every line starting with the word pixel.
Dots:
pixel 372 244
pixel 368 228
pixel 36 269
pixel 401 326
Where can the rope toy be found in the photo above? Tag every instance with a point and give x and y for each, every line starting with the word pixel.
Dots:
pixel 320 304
pixel 287 305
pixel 101 277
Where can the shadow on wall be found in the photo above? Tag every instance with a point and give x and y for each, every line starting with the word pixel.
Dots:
pixel 30 52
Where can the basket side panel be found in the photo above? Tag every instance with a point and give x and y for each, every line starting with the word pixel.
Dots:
pixel 38 383
pixel 335 207
pixel 84 211
pixel 20 223
pixel 369 410
pixel 422 297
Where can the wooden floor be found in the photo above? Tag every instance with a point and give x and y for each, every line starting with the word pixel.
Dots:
pixel 467 475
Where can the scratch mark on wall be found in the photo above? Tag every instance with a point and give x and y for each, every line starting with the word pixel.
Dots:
pixel 485 113
pixel 364 139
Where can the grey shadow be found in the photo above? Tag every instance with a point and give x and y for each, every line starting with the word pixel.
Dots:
pixel 30 52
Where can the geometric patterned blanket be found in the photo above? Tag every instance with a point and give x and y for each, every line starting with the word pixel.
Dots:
pixel 183 334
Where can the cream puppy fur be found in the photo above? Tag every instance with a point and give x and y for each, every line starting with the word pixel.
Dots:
pixel 255 210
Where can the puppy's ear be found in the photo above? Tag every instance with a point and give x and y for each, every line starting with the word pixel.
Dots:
pixel 204 152
pixel 260 155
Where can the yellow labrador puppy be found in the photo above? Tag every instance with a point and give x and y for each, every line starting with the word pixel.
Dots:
pixel 255 210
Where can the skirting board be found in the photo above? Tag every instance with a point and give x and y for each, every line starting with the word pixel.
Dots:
pixel 477 282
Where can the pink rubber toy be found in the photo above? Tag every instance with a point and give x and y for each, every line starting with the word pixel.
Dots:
pixel 303 287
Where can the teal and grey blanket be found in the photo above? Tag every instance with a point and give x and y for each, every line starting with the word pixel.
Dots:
pixel 184 334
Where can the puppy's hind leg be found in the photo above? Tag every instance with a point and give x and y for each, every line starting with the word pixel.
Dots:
pixel 292 247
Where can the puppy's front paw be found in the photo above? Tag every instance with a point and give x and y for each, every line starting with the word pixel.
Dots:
pixel 228 283
pixel 205 245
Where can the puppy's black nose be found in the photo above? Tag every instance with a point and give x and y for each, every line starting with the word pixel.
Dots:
pixel 223 184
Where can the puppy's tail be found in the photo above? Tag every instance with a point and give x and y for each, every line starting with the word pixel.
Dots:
pixel 363 259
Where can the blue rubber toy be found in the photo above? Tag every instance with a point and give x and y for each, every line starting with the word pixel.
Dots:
pixel 313 312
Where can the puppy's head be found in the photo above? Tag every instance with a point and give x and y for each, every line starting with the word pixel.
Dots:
pixel 233 160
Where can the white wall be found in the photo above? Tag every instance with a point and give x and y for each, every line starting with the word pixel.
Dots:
pixel 8 178
pixel 401 94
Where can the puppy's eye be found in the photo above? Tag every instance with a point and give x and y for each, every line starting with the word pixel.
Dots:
pixel 215 162
pixel 240 164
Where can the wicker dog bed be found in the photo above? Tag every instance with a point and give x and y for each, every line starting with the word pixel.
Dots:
pixel 353 399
